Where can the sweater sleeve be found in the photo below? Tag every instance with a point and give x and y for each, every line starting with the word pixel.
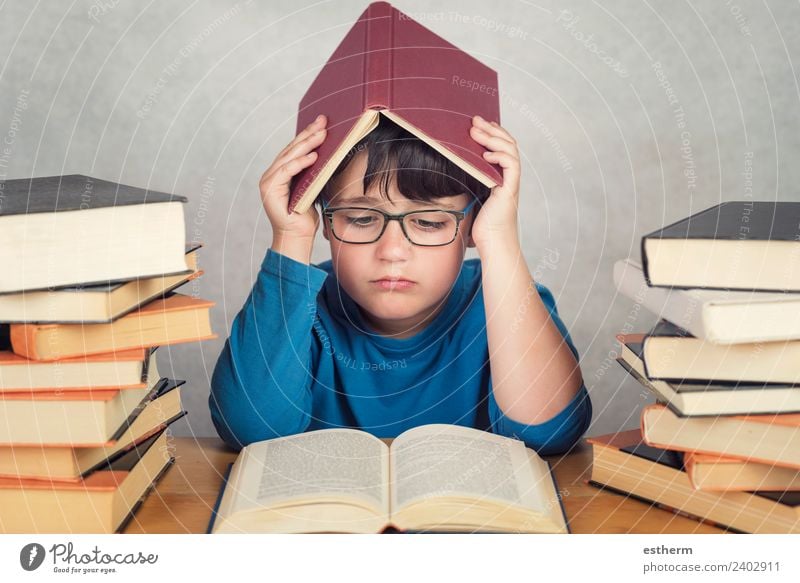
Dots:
pixel 559 433
pixel 261 385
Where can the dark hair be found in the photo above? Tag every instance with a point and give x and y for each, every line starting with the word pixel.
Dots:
pixel 422 173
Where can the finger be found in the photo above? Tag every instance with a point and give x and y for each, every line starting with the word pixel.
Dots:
pixel 285 172
pixel 502 132
pixel 492 128
pixel 494 143
pixel 299 150
pixel 510 166
pixel 303 147
pixel 318 123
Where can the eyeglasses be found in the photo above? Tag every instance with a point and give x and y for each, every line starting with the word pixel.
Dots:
pixel 427 228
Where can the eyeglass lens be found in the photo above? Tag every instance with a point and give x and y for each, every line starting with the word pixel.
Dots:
pixel 422 228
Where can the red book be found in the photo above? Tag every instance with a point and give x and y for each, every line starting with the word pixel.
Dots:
pixel 389 64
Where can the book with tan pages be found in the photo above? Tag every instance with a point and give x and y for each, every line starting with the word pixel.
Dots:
pixel 697 399
pixel 741 244
pixel 718 316
pixel 768 439
pixel 433 477
pixel 75 418
pixel 389 64
pixel 93 304
pixel 623 463
pixel 717 473
pixel 71 462
pixel 62 231
pixel 102 503
pixel 128 369
pixel 174 319
pixel 671 353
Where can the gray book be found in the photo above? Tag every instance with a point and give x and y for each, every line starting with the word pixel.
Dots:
pixel 58 231
pixel 751 245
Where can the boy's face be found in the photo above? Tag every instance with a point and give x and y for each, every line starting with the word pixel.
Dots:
pixel 398 311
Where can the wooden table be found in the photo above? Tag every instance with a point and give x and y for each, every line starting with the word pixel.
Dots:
pixel 183 499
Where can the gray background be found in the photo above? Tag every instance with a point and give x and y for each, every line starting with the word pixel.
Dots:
pixel 197 98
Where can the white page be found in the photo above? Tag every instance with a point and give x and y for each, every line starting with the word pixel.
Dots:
pixel 446 460
pixel 332 462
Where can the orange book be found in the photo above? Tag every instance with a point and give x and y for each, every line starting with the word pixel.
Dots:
pixel 717 473
pixel 86 418
pixel 175 319
pixel 71 461
pixel 127 369
pixel 101 503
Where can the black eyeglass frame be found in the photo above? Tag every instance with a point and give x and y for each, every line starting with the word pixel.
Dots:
pixel 459 216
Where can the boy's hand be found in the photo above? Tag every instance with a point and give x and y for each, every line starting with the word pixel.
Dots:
pixel 274 184
pixel 498 216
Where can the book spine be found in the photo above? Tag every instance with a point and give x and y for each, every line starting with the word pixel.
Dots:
pixel 226 476
pixel 135 508
pixel 23 341
pixel 378 56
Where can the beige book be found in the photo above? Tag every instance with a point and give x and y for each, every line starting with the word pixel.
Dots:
pixel 717 316
pixel 720 473
pixel 622 463
pixel 767 439
pixel 66 462
pixel 174 319
pixel 431 478
pixel 98 303
pixel 102 503
pixel 128 369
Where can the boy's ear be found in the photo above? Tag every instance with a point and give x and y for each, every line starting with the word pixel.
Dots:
pixel 325 228
pixel 470 240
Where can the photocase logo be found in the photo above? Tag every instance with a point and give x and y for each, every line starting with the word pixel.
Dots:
pixel 31 556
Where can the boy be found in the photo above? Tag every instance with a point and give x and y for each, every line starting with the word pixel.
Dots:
pixel 397 330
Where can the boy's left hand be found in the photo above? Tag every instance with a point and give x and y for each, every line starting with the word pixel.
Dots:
pixel 498 216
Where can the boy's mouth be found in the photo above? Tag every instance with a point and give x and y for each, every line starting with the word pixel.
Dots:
pixel 393 283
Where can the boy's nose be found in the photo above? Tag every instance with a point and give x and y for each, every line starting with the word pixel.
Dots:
pixel 393 244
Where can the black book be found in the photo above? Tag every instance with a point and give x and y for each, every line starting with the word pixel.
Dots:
pixel 670 353
pixel 734 245
pixel 714 399
pixel 58 231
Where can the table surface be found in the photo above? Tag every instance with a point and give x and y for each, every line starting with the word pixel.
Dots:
pixel 184 497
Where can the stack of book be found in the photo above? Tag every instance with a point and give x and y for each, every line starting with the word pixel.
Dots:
pixel 88 270
pixel 722 442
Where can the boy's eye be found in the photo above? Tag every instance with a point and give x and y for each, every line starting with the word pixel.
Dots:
pixel 361 220
pixel 428 225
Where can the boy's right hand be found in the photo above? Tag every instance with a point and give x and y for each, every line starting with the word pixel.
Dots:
pixel 275 182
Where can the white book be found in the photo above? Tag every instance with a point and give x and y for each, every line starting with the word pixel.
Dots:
pixel 435 477
pixel 718 316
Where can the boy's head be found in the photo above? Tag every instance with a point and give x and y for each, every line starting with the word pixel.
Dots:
pixel 393 171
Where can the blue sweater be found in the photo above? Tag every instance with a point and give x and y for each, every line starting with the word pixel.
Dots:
pixel 300 357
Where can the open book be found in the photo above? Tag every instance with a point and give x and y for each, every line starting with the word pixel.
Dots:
pixel 432 478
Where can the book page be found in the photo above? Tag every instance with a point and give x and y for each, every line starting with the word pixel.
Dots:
pixel 327 464
pixel 448 460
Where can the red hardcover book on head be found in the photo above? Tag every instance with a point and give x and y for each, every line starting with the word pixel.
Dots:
pixel 391 65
